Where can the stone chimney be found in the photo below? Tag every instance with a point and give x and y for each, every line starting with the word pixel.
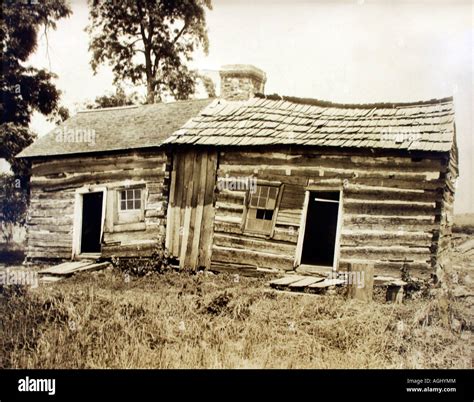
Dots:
pixel 241 81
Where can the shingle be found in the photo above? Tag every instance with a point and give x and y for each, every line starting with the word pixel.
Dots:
pixel 333 125
pixel 119 128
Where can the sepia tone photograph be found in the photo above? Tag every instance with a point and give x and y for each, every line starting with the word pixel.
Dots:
pixel 226 184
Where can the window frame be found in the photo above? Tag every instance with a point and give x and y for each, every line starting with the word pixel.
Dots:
pixel 133 199
pixel 129 216
pixel 247 208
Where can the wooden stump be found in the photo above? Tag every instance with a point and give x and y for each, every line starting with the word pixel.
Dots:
pixel 360 283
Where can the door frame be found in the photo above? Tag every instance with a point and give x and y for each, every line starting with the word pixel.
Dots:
pixel 78 204
pixel 302 229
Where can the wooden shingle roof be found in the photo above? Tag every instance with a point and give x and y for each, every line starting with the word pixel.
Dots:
pixel 275 120
pixel 111 129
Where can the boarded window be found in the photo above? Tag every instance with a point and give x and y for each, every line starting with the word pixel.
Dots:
pixel 261 209
pixel 131 199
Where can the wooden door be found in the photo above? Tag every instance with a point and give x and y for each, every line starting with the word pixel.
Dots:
pixel 190 220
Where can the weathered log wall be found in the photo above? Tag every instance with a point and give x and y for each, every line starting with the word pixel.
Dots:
pixel 391 208
pixel 447 205
pixel 53 186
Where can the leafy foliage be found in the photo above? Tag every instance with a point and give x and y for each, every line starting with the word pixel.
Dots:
pixel 13 204
pixel 59 115
pixel 149 41
pixel 24 89
pixel 158 262
pixel 120 98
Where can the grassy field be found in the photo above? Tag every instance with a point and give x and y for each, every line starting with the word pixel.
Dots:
pixel 464 223
pixel 106 320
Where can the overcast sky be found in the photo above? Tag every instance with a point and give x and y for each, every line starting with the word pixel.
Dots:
pixel 343 51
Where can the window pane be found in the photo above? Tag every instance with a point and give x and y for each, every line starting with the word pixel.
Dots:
pixel 260 214
pixel 254 199
pixel 262 200
pixel 268 214
pixel 272 194
pixel 129 194
pixel 123 195
pixel 138 194
pixel 123 204
pixel 129 204
pixel 138 204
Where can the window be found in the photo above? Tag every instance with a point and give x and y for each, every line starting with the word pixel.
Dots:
pixel 131 200
pixel 261 209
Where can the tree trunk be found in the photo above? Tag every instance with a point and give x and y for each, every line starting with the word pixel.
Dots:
pixel 150 90
pixel 150 93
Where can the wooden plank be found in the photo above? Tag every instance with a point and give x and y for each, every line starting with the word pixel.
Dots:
pixel 287 280
pixel 305 282
pixel 299 245
pixel 196 170
pixel 326 283
pixel 205 251
pixel 176 231
pixel 65 268
pixel 169 239
pixel 196 246
pixel 187 196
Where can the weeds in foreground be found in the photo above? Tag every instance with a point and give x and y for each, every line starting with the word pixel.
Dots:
pixel 211 321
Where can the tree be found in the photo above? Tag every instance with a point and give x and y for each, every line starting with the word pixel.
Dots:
pixel 13 205
pixel 150 42
pixel 24 89
pixel 59 115
pixel 120 98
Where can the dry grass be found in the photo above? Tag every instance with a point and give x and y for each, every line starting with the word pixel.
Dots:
pixel 206 321
pixel 463 223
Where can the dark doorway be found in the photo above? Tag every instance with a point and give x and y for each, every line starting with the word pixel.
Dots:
pixel 91 222
pixel 319 241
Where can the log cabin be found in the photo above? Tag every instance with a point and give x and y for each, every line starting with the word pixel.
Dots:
pixel 99 182
pixel 274 182
pixel 250 182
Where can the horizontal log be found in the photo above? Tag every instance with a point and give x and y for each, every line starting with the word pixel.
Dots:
pixel 229 207
pixel 102 163
pixel 251 243
pixel 286 233
pixel 388 194
pixel 47 229
pixel 94 178
pixel 249 257
pixel 47 255
pixel 235 197
pixel 389 209
pixel 384 268
pixel 319 171
pixel 312 159
pixel 139 250
pixel 388 220
pixel 386 253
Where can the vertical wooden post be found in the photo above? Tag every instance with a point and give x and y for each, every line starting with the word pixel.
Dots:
pixel 360 281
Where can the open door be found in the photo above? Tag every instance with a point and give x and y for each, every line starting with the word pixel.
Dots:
pixel 321 229
pixel 91 222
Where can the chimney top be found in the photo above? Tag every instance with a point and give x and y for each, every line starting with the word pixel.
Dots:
pixel 241 81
